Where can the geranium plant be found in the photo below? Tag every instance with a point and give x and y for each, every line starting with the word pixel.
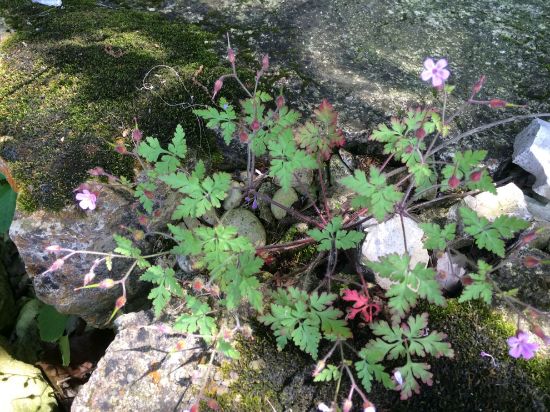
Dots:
pixel 280 147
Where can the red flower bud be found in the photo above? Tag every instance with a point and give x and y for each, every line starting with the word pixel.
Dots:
pixel 143 220
pixel 409 149
pixel 255 125
pixel 529 237
pixel 420 133
pixel 478 85
pixel 497 103
pixel 231 55
pixel 280 101
pixel 475 176
pixel 243 137
pixel 217 87
pixel 149 194
pixel 119 148
pixel 531 262
pixel 56 265
pixel 198 284
pixel 120 302
pixel 466 280
pixel 137 135
pixel 265 62
pixel 453 182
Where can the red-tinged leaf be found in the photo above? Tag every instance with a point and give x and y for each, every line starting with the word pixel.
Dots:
pixel 325 113
pixel 212 404
pixel 362 305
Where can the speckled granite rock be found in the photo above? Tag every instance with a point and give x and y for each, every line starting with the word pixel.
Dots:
pixel 138 372
pixel 85 230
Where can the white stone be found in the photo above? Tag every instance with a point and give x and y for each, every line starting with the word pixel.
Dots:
pixel 234 196
pixel 285 198
pixel 53 3
pixel 387 238
pixel 532 153
pixel 509 201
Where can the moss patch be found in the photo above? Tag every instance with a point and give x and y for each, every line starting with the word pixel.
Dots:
pixel 469 379
pixel 72 81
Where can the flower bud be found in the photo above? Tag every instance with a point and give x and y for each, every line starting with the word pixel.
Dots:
pixel 198 284
pixel 56 265
pixel 280 101
pixel 143 220
pixel 531 262
pixel 466 280
pixel 368 407
pixel 231 55
pixel 319 367
pixel 96 171
pixel 243 137
pixel 255 125
pixel 347 405
pixel 475 176
pixel 537 330
pixel 217 86
pixel 265 62
pixel 529 237
pixel 106 284
pixel 53 248
pixel 478 85
pixel 497 103
pixel 120 148
pixel 453 182
pixel 89 277
pixel 409 149
pixel 137 135
pixel 120 302
pixel 420 133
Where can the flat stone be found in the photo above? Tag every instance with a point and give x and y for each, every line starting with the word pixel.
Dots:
pixel 532 153
pixel 141 370
pixel 386 238
pixel 509 201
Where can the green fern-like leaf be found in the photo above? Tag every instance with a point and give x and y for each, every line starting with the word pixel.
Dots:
pixel 480 288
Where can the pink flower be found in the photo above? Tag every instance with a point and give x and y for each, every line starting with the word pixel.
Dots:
pixel 521 347
pixel 87 199
pixel 435 71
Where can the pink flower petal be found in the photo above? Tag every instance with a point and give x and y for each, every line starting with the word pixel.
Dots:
pixel 426 75
pixel 515 351
pixel 444 74
pixel 441 63
pixel 437 81
pixel 429 64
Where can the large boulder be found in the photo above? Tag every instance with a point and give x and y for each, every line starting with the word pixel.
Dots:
pixel 75 229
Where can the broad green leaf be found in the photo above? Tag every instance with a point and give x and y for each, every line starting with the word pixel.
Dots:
pixel 51 323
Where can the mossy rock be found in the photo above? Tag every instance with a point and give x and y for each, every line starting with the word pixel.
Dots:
pixel 73 80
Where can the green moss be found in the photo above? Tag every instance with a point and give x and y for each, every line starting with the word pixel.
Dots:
pixel 72 81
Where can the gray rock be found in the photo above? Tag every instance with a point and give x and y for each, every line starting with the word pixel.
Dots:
pixel 23 387
pixel 509 201
pixel 234 196
pixel 538 210
pixel 301 180
pixel 386 238
pixel 247 224
pixel 141 370
pixel 532 152
pixel 79 230
pixel 285 198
